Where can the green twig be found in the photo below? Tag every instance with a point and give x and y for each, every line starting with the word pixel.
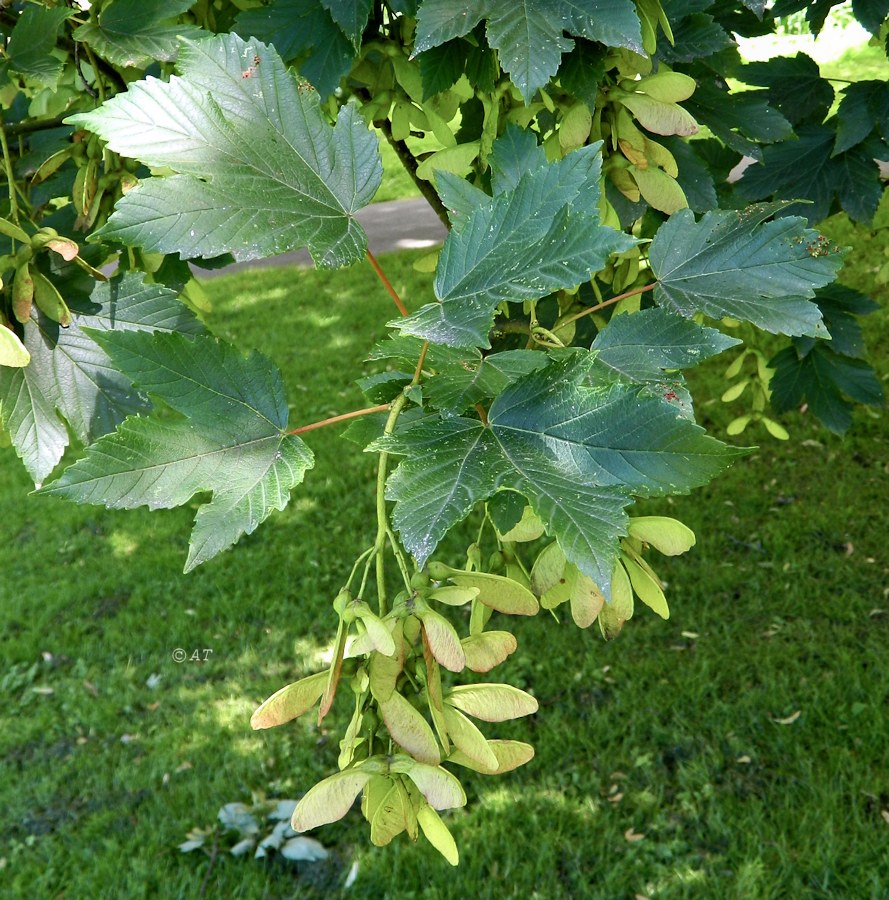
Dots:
pixel 382 515
pixel 399 558
pixel 31 125
pixel 361 558
pixel 10 175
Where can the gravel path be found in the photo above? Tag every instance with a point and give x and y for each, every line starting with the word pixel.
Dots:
pixel 396 225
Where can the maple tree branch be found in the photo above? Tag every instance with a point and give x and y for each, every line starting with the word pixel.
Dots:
pixel 407 159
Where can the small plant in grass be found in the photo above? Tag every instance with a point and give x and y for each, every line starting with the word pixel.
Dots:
pixel 596 250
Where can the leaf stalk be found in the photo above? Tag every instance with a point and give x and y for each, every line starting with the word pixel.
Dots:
pixel 386 283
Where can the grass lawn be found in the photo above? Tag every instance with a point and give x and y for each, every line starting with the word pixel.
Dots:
pixel 736 751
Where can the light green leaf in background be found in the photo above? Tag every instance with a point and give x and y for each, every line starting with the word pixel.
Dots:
pixel 259 169
pixel 229 439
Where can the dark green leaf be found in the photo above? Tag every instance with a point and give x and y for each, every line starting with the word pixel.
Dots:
pixel 482 67
pixel 740 120
pixel 298 27
pixel 871 13
pixel 640 346
pixel 821 379
pixel 229 439
pixel 404 351
pixel 817 12
pixel 863 108
pixel 520 244
pixel 736 264
pixel 506 509
pixel 748 20
pixel 32 41
pixel 795 87
pixel 71 379
pixel 781 8
pixel 459 196
pixel 261 171
pixel 439 21
pixel 839 307
pixel 441 67
pixel 457 387
pixel 577 451
pixel 529 42
pixel 695 36
pixel 529 35
pixel 804 169
pixel 757 7
pixel 137 32
pixel 582 70
pixel 350 15
pixel 695 177
pixel 385 386
pixel 614 23
pixel 514 154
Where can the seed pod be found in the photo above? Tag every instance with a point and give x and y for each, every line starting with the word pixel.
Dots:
pixel 13 353
pixel 22 293
pixel 49 301
pixel 52 164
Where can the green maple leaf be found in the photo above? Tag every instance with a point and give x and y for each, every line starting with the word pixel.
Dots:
pixel 529 35
pixel 864 107
pixel 795 86
pixel 229 439
pixel 305 30
pixel 138 32
pixel 738 265
pixel 459 386
pixel 32 41
pixel 350 15
pixel 577 445
pixel 260 171
pixel 640 346
pixel 803 169
pixel 823 379
pixel 70 382
pixel 521 244
pixel 742 121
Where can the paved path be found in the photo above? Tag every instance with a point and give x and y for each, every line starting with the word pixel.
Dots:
pixel 396 225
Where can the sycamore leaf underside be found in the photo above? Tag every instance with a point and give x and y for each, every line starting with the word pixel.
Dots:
pixel 71 378
pixel 230 440
pixel 258 169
